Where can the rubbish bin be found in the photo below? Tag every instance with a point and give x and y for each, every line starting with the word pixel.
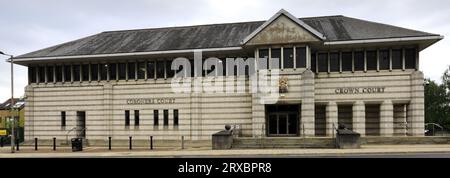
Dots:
pixel 77 144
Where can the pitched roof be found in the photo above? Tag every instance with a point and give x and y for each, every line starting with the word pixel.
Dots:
pixel 334 28
pixel 6 105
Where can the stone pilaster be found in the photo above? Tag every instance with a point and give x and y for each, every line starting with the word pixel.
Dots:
pixel 108 108
pixel 359 118
pixel 416 111
pixel 307 109
pixel 332 118
pixel 387 118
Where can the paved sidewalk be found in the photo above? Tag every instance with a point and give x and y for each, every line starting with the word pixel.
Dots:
pixel 206 152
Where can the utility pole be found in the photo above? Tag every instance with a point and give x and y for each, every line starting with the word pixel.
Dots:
pixel 13 125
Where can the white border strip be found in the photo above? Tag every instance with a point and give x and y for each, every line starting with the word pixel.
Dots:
pixel 127 54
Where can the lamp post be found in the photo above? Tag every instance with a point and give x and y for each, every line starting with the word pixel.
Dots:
pixel 13 139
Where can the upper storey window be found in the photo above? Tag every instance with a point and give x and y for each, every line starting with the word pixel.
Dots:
pixel 275 58
pixel 300 57
pixel 264 55
pixel 288 58
pixel 347 61
pixel 410 58
pixel 384 60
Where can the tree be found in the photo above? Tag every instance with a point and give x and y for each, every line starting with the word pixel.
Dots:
pixel 437 103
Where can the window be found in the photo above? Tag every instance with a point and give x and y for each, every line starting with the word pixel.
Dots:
pixel 300 54
pixel 169 71
pixel 50 74
pixel 141 70
pixel 397 59
pixel 384 60
pixel 122 71
pixel 41 74
pixel 202 67
pixel 136 117
pixel 31 74
pixel 410 58
pixel 150 70
pixel 159 69
pixel 59 73
pixel 103 71
pixel 288 58
pixel 314 62
pixel 85 72
pixel 323 62
pixel 166 117
pixel 127 118
pixel 264 56
pixel 371 60
pixel 347 65
pixel 76 73
pixel 175 117
pixel 276 57
pixel 94 72
pixel 192 68
pixel 131 71
pixel 359 61
pixel 155 117
pixel 334 62
pixel 63 119
pixel 67 73
pixel 112 71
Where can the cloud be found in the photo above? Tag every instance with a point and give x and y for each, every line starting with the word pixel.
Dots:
pixel 32 25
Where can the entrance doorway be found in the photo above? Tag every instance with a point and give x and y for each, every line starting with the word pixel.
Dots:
pixel 81 124
pixel 282 120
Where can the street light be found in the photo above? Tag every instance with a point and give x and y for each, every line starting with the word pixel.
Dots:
pixel 11 58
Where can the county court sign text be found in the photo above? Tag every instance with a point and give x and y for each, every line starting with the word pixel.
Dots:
pixel 366 90
pixel 151 101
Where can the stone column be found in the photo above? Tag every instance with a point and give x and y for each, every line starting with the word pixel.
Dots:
pixel 416 125
pixel 307 112
pixel 387 118
pixel 332 118
pixel 359 118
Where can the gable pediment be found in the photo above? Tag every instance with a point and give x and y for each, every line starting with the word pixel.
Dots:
pixel 282 31
pixel 283 28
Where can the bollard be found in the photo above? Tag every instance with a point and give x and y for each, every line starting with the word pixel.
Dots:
pixel 151 142
pixel 54 143
pixel 1 142
pixel 131 140
pixel 109 143
pixel 35 144
pixel 17 145
pixel 182 142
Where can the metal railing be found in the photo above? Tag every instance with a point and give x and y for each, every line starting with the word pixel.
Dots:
pixel 72 129
pixel 435 125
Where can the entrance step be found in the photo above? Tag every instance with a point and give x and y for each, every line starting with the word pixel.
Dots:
pixel 254 143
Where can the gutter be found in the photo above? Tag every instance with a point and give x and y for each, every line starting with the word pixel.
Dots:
pixel 384 40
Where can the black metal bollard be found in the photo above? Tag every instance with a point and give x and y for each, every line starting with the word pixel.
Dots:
pixel 35 144
pixel 1 141
pixel 54 143
pixel 131 143
pixel 17 145
pixel 109 143
pixel 151 142
pixel 182 142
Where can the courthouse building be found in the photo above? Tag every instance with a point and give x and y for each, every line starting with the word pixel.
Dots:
pixel 333 70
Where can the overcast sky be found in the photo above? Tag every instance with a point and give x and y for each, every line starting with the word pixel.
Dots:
pixel 27 25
